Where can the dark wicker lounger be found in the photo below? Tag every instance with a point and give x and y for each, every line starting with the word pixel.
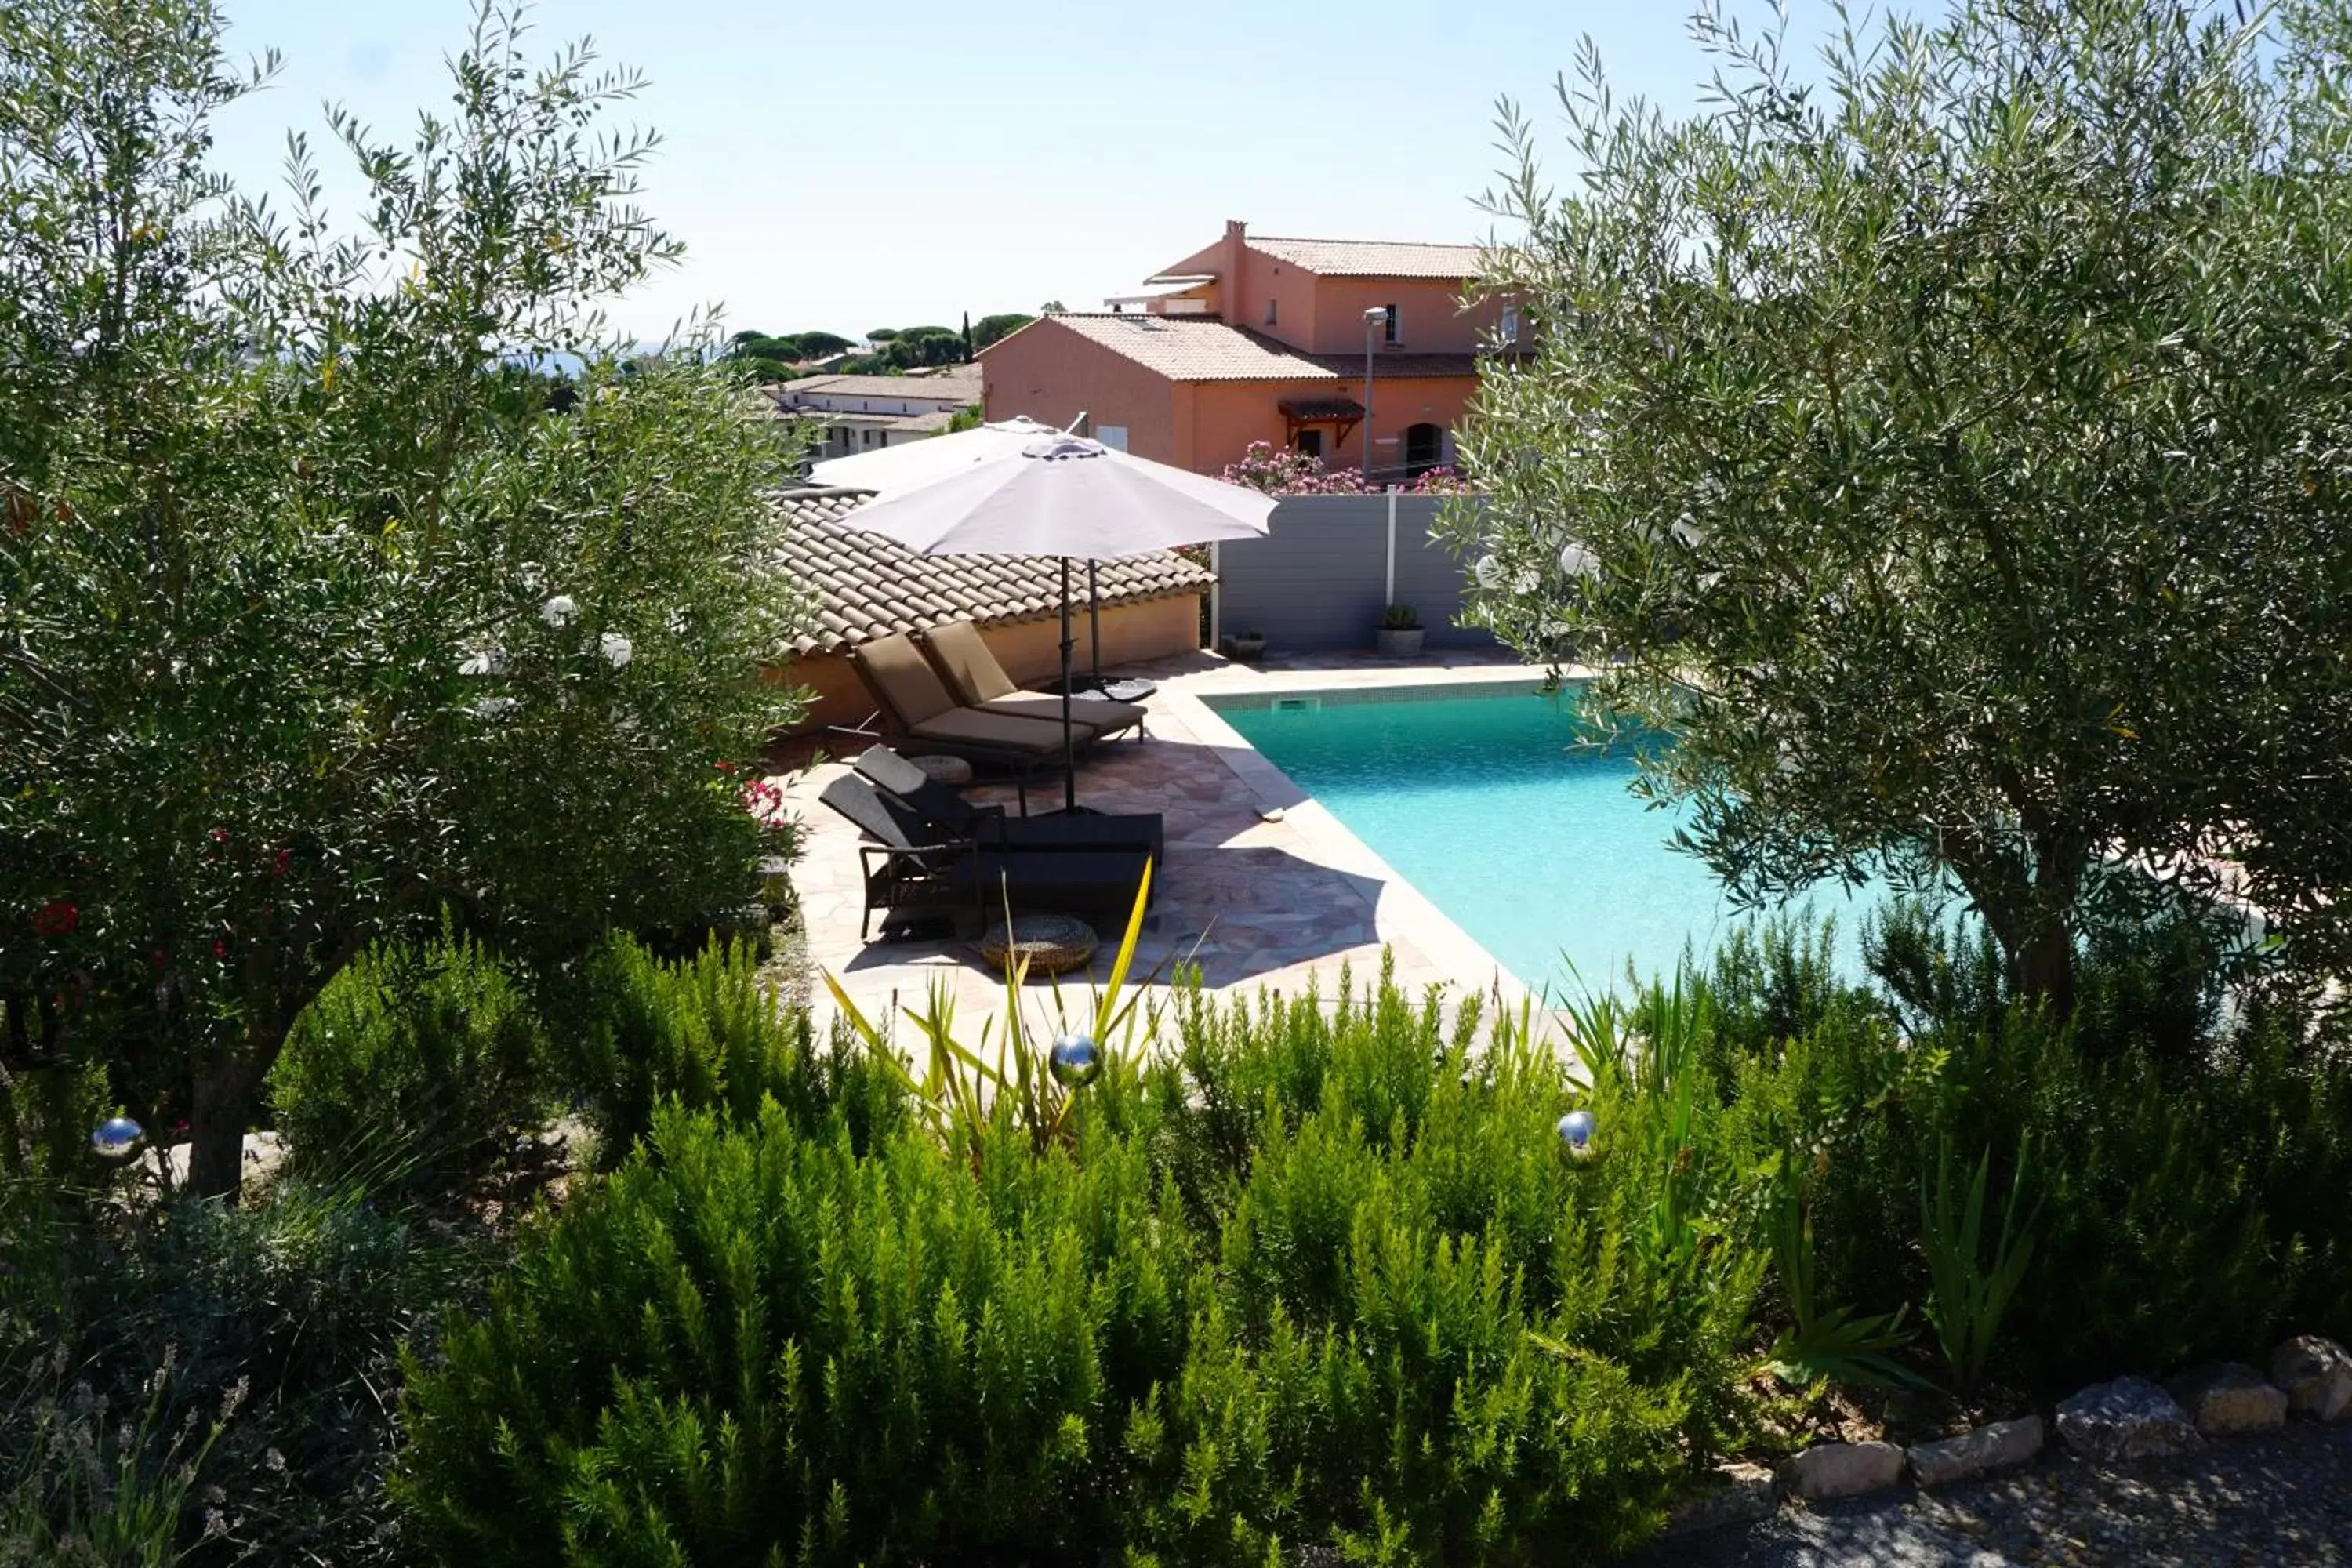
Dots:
pixel 939 811
pixel 906 876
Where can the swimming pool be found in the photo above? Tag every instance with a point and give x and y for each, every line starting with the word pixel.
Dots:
pixel 1495 801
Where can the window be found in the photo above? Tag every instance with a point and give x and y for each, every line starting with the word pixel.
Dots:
pixel 1509 332
pixel 1112 435
pixel 1389 332
pixel 1307 443
pixel 1269 310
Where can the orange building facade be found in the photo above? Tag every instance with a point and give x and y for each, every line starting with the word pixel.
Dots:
pixel 1265 338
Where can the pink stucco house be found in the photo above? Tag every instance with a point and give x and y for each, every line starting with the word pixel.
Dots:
pixel 1263 338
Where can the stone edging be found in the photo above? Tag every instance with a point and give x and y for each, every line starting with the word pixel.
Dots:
pixel 2130 1418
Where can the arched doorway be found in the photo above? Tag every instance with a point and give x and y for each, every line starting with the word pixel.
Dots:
pixel 1424 447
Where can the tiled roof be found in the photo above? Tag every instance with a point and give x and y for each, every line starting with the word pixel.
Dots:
pixel 1205 348
pixel 1370 258
pixel 866 586
pixel 1194 347
pixel 930 424
pixel 959 385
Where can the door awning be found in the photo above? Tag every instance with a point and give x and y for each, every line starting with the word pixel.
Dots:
pixel 1321 410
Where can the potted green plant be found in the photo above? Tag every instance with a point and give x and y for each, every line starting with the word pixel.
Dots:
pixel 1400 632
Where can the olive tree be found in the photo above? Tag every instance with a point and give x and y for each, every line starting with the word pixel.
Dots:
pixel 1951 450
pixel 320 610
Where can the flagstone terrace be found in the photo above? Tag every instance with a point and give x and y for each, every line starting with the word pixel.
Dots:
pixel 1262 886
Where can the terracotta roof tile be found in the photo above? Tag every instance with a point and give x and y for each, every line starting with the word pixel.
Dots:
pixel 956 383
pixel 1205 348
pixel 864 586
pixel 1370 258
pixel 1195 348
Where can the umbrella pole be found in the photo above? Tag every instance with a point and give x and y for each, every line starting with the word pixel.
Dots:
pixel 1069 754
pixel 1094 623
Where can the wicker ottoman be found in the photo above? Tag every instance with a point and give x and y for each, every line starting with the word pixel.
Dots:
pixel 1053 944
pixel 953 771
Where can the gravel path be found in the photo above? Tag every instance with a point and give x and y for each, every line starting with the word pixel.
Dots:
pixel 2279 1501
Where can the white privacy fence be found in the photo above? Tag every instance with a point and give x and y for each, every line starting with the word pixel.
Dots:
pixel 1327 565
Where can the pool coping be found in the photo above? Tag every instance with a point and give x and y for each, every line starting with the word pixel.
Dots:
pixel 1468 683
pixel 1402 911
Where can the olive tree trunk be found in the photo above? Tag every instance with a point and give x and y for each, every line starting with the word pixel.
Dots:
pixel 226 1081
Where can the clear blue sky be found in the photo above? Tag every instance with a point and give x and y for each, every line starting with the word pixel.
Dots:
pixel 857 164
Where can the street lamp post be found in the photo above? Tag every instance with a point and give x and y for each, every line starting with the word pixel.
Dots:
pixel 1376 316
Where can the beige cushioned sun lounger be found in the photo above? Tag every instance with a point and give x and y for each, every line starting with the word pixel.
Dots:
pixel 922 705
pixel 963 658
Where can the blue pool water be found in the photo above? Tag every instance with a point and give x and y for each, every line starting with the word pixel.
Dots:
pixel 1503 812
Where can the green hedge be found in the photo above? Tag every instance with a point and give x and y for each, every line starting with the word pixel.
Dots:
pixel 1319 1272
pixel 415 1059
pixel 1373 1306
pixel 705 1032
pixel 2194 1169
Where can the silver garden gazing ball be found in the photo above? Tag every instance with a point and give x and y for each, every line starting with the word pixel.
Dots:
pixel 1575 1130
pixel 1076 1061
pixel 116 1137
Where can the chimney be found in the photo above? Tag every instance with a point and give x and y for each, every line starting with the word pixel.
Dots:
pixel 1229 287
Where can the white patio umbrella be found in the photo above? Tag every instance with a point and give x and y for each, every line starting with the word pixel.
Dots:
pixel 1060 495
pixel 886 470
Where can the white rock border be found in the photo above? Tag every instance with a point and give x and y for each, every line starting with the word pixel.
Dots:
pixel 2317 1375
pixel 2309 1373
pixel 2000 1446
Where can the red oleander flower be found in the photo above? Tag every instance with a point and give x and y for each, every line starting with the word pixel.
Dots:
pixel 285 856
pixel 724 767
pixel 220 949
pixel 57 918
pixel 220 834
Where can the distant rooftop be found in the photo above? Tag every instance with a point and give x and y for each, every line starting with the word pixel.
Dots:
pixel 953 384
pixel 1337 258
pixel 932 423
pixel 1370 258
pixel 866 587
pixel 1203 348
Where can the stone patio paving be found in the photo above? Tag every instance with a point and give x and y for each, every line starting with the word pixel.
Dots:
pixel 1262 886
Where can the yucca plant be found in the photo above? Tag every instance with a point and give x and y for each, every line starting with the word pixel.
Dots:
pixel 1640 1058
pixel 1837 1343
pixel 1967 1294
pixel 1004 1071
